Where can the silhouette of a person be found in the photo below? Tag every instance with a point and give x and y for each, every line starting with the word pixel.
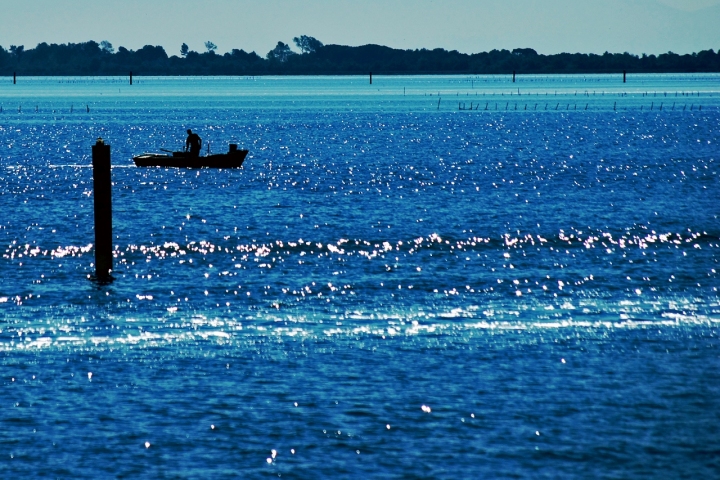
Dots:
pixel 194 143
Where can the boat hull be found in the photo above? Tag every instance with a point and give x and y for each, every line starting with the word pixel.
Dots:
pixel 232 159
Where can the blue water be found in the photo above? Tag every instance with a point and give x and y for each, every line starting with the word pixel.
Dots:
pixel 393 285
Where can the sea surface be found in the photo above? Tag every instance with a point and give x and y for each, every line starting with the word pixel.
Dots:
pixel 422 277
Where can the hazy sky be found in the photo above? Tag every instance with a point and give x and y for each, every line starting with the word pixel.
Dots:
pixel 549 26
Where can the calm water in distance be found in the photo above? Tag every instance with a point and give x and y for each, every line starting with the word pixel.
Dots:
pixel 426 277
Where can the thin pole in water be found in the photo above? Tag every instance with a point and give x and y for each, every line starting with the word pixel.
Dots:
pixel 624 76
pixel 370 78
pixel 102 191
pixel 14 78
pixel 130 78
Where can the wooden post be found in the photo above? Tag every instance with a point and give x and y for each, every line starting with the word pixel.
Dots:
pixel 102 189
pixel 624 76
pixel 14 78
pixel 130 78
pixel 370 78
pixel 513 76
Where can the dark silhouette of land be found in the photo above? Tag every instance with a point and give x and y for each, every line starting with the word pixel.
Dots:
pixel 92 58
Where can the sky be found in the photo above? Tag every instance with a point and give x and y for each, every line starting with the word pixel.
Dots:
pixel 469 26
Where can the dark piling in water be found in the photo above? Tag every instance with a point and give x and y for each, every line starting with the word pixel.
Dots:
pixel 102 189
pixel 130 78
pixel 624 76
pixel 513 76
pixel 14 78
pixel 370 78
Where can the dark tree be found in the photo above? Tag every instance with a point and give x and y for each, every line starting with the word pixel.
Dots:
pixel 307 44
pixel 151 54
pixel 210 46
pixel 280 53
pixel 106 47
pixel 184 49
pixel 527 52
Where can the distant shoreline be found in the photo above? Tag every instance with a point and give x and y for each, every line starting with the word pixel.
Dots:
pixel 100 59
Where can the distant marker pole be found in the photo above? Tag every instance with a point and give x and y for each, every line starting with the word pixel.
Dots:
pixel 102 190
pixel 370 78
pixel 130 78
pixel 624 76
pixel 14 78
pixel 513 76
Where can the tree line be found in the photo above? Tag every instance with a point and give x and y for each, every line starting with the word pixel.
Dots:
pixel 314 58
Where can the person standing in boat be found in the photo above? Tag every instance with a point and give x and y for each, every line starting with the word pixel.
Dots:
pixel 194 143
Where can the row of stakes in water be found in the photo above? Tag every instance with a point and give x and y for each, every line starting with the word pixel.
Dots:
pixel 463 106
pixel 37 109
pixel 586 93
pixel 576 78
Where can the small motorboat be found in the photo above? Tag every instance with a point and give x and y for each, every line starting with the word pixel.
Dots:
pixel 234 158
